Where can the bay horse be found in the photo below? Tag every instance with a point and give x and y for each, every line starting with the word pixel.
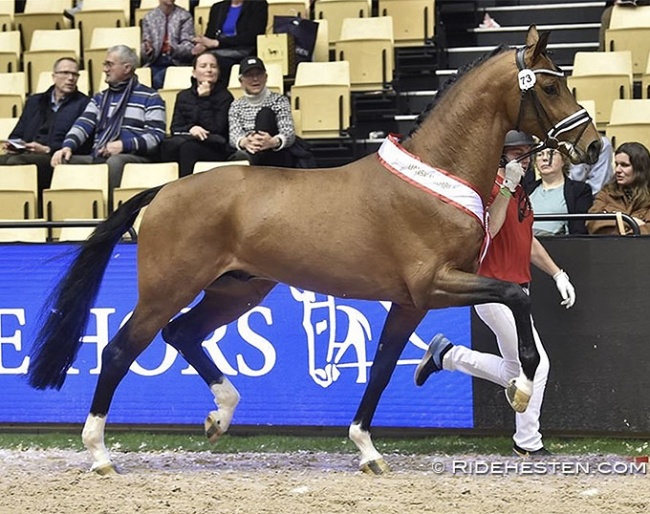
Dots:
pixel 404 225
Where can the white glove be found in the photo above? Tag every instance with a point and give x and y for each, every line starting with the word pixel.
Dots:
pixel 514 174
pixel 566 289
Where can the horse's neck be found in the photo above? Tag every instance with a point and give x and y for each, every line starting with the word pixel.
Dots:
pixel 464 132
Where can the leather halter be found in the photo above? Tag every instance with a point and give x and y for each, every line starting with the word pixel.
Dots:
pixel 527 80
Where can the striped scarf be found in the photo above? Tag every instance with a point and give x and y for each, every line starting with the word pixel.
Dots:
pixel 109 126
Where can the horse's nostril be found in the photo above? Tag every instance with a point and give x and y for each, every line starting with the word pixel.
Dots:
pixel 593 151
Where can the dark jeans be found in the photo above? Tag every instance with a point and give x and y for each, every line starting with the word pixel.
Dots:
pixel 158 71
pixel 187 151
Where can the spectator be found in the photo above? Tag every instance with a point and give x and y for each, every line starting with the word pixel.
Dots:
pixel 200 122
pixel 46 119
pixel 509 256
pixel 125 122
pixel 628 192
pixel 556 193
pixel 261 126
pixel 167 34
pixel 595 175
pixel 233 27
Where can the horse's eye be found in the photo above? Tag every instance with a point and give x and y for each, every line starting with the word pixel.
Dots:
pixel 550 89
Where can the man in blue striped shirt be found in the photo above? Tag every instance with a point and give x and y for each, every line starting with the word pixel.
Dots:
pixel 125 122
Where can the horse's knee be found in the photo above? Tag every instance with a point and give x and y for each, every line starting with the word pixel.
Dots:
pixel 517 300
pixel 115 359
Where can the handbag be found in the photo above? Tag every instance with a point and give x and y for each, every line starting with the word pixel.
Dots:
pixel 304 33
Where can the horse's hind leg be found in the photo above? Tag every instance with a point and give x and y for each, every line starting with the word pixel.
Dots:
pixel 225 300
pixel 129 342
pixel 400 324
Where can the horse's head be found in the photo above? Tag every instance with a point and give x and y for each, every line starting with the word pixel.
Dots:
pixel 547 108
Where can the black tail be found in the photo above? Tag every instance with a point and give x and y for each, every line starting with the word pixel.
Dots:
pixel 66 311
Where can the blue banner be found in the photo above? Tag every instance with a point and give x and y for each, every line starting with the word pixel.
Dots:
pixel 298 358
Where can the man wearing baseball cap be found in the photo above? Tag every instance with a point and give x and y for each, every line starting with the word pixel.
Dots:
pixel 261 126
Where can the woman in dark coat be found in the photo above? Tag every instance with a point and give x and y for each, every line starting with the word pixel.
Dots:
pixel 232 30
pixel 199 129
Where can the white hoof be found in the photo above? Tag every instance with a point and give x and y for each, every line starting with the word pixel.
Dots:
pixel 226 398
pixel 93 439
pixel 371 460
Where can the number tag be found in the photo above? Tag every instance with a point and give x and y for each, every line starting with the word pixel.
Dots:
pixel 527 80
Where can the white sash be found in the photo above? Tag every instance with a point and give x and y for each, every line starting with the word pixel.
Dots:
pixel 440 183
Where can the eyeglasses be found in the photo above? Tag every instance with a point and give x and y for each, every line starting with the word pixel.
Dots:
pixel 546 154
pixel 109 64
pixel 72 74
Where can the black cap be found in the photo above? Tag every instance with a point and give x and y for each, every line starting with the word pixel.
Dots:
pixel 250 63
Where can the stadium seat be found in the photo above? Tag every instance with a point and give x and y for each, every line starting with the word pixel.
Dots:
pixel 7 125
pixel 322 45
pixel 144 75
pixel 201 166
pixel 320 99
pixel 12 94
pixel 367 44
pixel 298 8
pixel 335 11
pixel 23 235
pixel 275 81
pixel 7 9
pixel 99 13
pixel 73 233
pixel 18 191
pixel 78 191
pixel 413 20
pixel 630 121
pixel 47 46
pixel 602 77
pixel 138 177
pixel 95 53
pixel 10 51
pixel 169 97
pixel 41 15
pixel 178 77
pixel 645 79
pixel 629 29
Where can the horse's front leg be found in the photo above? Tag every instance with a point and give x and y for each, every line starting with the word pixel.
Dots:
pixel 458 288
pixel 400 324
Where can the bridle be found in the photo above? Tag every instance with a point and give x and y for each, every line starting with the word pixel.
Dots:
pixel 527 80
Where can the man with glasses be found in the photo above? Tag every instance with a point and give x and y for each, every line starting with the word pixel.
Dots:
pixel 261 125
pixel 124 123
pixel 511 251
pixel 46 119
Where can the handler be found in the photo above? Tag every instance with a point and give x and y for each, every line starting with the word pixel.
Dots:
pixel 508 258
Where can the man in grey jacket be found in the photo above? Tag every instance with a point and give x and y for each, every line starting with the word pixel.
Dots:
pixel 167 33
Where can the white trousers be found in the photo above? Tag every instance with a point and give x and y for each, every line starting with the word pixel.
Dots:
pixel 501 370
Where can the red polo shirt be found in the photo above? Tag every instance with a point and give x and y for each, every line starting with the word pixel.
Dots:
pixel 508 257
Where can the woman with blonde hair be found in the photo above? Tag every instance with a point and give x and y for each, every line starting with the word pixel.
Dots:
pixel 628 192
pixel 555 193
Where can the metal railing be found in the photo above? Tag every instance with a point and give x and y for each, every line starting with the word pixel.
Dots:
pixel 58 224
pixel 627 219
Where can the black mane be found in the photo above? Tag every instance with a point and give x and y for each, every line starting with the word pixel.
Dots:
pixel 451 81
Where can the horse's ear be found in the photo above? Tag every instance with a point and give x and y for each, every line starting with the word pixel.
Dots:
pixel 537 41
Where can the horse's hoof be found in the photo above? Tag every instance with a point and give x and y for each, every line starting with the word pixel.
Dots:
pixel 106 469
pixel 375 467
pixel 213 428
pixel 517 399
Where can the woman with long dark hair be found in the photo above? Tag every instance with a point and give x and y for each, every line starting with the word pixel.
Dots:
pixel 628 192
